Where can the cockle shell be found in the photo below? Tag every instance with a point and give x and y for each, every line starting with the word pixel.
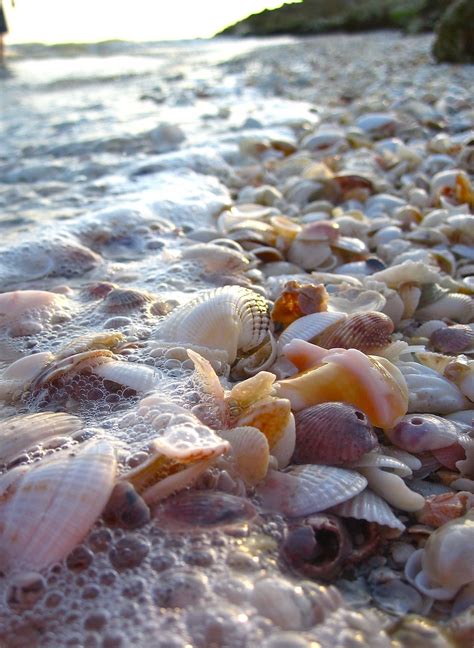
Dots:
pixel 231 318
pixel 19 433
pixel 249 452
pixel 309 327
pixel 370 383
pixel 452 339
pixel 308 489
pixel 125 300
pixel 421 432
pixel 446 560
pixel 370 507
pixel 25 312
pixel 332 433
pixel 453 305
pixel 52 505
pixel 368 332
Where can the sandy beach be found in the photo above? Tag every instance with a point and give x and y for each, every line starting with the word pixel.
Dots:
pixel 138 180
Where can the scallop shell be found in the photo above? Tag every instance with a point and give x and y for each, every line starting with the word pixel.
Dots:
pixel 332 433
pixel 455 306
pixel 368 332
pixel 370 507
pixel 452 339
pixel 124 300
pixel 249 452
pixel 53 504
pixel 231 319
pixel 19 433
pixel 309 327
pixel 138 377
pixel 309 489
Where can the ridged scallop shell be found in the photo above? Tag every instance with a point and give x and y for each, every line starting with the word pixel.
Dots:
pixel 368 332
pixel 332 433
pixel 138 377
pixel 19 433
pixel 249 453
pixel 309 327
pixel 452 339
pixel 455 306
pixel 52 505
pixel 124 300
pixel 370 507
pixel 309 489
pixel 231 318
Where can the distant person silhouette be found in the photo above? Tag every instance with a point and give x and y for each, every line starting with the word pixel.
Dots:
pixel 3 31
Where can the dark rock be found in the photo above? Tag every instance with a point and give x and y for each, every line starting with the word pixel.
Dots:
pixel 454 36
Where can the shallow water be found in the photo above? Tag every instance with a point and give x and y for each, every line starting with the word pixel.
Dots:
pixel 112 162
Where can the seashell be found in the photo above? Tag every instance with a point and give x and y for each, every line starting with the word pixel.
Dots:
pixel 308 255
pixel 356 300
pixel 52 505
pixel 378 125
pixel 440 509
pixel 126 508
pixel 138 377
pixel 272 416
pixel 27 312
pixel 453 185
pixel 429 392
pixel 284 448
pixel 282 603
pixel 21 372
pixel 393 489
pixel 461 372
pixel 368 332
pixel 215 258
pixel 124 300
pixel 308 489
pixel 332 433
pixel 376 460
pixel 249 452
pixel 317 546
pixel 410 294
pixel 454 306
pixel 407 272
pixel 370 507
pixel 446 560
pixel 297 300
pixel 19 433
pixel 110 340
pixel 370 383
pixel 309 327
pixel 421 432
pixel 201 509
pixel 231 319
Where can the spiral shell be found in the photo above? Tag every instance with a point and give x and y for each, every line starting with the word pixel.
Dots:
pixel 332 433
pixel 231 319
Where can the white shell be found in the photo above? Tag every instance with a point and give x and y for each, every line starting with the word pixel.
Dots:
pixel 187 442
pixel 231 319
pixel 309 489
pixel 393 489
pixel 369 506
pixel 283 603
pixel 138 377
pixel 309 326
pixel 375 460
pixel 408 271
pixel 429 392
pixel 21 432
pixel 52 506
pixel 249 452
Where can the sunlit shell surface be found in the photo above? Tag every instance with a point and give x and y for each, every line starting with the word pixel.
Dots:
pixel 369 506
pixel 53 504
pixel 24 312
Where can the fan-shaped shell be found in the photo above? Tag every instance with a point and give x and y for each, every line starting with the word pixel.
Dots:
pixel 332 433
pixel 52 505
pixel 250 452
pixel 452 339
pixel 231 318
pixel 368 332
pixel 309 327
pixel 138 377
pixel 370 507
pixel 21 432
pixel 309 489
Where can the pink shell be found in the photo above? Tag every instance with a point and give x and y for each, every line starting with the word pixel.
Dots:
pixel 332 433
pixel 367 332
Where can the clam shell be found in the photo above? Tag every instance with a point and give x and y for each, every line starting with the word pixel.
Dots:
pixel 332 433
pixel 452 339
pixel 53 504
pixel 140 378
pixel 309 489
pixel 370 507
pixel 309 327
pixel 368 332
pixel 21 432
pixel 231 319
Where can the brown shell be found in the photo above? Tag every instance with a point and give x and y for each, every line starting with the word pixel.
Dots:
pixel 367 332
pixel 123 300
pixel 452 339
pixel 332 434
pixel 299 299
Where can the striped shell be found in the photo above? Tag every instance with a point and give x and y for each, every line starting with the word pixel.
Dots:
pixel 309 327
pixel 20 433
pixel 452 339
pixel 249 453
pixel 231 319
pixel 140 378
pixel 309 489
pixel 368 332
pixel 370 507
pixel 332 433
pixel 51 505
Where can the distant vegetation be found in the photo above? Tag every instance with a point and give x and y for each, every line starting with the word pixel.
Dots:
pixel 320 16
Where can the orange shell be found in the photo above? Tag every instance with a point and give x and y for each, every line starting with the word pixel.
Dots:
pixel 440 509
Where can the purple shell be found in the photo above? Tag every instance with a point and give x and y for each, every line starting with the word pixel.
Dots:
pixel 332 434
pixel 421 432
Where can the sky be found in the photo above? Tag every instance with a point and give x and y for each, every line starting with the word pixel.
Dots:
pixel 59 21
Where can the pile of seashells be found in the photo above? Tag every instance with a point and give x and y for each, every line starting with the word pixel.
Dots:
pixel 319 398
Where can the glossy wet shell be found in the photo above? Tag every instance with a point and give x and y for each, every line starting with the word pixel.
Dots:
pixel 332 433
pixel 230 318
pixel 53 504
